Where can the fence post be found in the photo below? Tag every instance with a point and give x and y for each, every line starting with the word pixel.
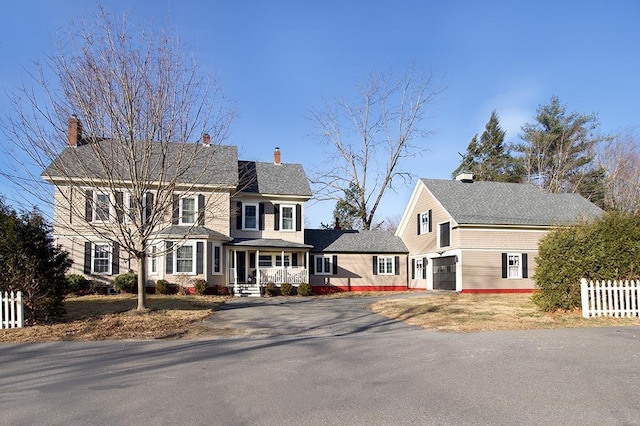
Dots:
pixel 584 295
pixel 20 311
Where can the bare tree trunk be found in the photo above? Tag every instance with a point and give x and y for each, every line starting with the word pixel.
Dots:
pixel 142 282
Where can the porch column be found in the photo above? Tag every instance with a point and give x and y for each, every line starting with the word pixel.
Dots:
pixel 283 276
pixel 235 272
pixel 258 267
pixel 306 255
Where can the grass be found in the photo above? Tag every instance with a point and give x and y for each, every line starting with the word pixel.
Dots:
pixel 181 317
pixel 484 312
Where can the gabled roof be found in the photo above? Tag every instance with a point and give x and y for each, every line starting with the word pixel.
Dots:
pixel 212 165
pixel 500 203
pixel 269 178
pixel 347 241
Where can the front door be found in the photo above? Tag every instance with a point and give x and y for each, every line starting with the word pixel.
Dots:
pixel 444 273
pixel 241 267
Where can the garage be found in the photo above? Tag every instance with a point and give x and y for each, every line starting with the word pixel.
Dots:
pixel 444 273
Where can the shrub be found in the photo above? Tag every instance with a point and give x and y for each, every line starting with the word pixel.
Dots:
pixel 305 289
pixel 77 283
pixel 223 290
pixel 286 289
pixel 606 249
pixel 271 289
pixel 126 283
pixel 162 287
pixel 200 286
pixel 183 290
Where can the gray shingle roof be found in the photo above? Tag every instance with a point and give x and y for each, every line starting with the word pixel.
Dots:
pixel 213 165
pixel 269 178
pixel 499 203
pixel 346 241
pixel 181 231
pixel 267 242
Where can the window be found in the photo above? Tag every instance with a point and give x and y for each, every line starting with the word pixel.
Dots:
pixel 444 237
pixel 323 265
pixel 101 259
pixel 250 217
pixel 101 207
pixel 185 259
pixel 265 261
pixel 287 260
pixel 287 218
pixel 513 265
pixel 418 269
pixel 153 259
pixel 386 265
pixel 217 259
pixel 188 210
pixel 424 222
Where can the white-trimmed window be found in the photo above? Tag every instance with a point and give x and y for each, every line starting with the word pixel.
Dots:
pixel 418 268
pixel 101 207
pixel 287 260
pixel 444 234
pixel 265 261
pixel 188 210
pixel 153 259
pixel 101 259
pixel 514 262
pixel 287 218
pixel 250 216
pixel 185 259
pixel 424 222
pixel 386 265
pixel 323 265
pixel 131 209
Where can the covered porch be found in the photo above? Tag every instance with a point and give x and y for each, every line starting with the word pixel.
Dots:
pixel 253 263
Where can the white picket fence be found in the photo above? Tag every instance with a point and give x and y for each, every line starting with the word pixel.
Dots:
pixel 610 298
pixel 11 312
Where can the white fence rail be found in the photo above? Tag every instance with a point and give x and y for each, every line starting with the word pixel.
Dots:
pixel 610 298
pixel 11 313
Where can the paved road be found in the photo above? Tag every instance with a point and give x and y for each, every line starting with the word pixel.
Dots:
pixel 349 367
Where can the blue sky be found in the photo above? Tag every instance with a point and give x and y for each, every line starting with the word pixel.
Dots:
pixel 277 59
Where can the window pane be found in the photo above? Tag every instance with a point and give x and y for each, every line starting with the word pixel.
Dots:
pixel 424 221
pixel 265 261
pixel 102 207
pixel 319 263
pixel 216 259
pixel 327 265
pixel 184 259
pixel 250 217
pixel 188 210
pixel 514 266
pixel 287 218
pixel 101 259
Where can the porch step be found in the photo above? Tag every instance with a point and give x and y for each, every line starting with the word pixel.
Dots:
pixel 247 290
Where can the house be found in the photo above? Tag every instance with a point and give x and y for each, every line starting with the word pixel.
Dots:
pixel 472 236
pixel 345 260
pixel 235 224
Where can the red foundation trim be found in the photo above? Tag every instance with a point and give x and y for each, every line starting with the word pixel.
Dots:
pixel 496 290
pixel 328 289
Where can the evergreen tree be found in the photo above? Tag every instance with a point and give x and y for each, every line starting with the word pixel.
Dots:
pixel 490 159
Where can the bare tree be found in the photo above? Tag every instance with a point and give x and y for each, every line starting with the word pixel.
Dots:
pixel 620 158
pixel 137 102
pixel 369 136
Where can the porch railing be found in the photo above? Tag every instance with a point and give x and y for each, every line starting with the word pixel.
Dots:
pixel 283 275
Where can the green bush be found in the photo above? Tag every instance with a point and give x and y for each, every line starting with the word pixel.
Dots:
pixel 271 289
pixel 305 289
pixel 77 283
pixel 200 286
pixel 606 249
pixel 126 283
pixel 286 289
pixel 162 287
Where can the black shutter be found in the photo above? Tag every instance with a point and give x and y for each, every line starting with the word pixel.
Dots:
pixel 397 265
pixel 176 210
pixel 424 266
pixel 148 207
pixel 276 217
pixel 375 265
pixel 239 216
pixel 298 217
pixel 294 259
pixel 312 265
pixel 335 264
pixel 261 217
pixel 115 259
pixel 419 223
pixel 525 266
pixel 169 257
pixel 199 257
pixel 87 257
pixel 504 265
pixel 210 258
pixel 201 210
pixel 88 206
pixel 119 206
pixel 413 269
pixel 217 259
pixel 252 260
pixel 429 220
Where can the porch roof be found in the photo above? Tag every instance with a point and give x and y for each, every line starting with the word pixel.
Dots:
pixel 267 243
pixel 182 231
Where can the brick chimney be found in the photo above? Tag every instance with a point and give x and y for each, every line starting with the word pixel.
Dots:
pixel 206 139
pixel 276 156
pixel 336 225
pixel 74 132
